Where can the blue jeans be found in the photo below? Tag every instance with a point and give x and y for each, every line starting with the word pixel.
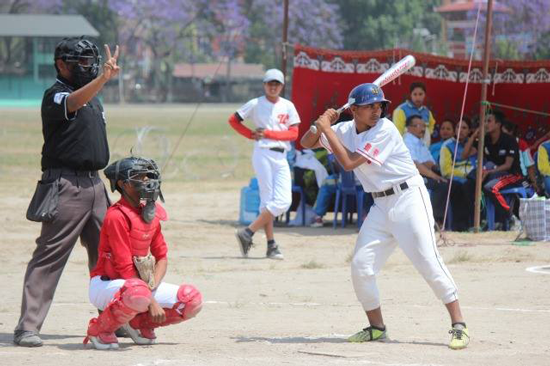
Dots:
pixel 324 197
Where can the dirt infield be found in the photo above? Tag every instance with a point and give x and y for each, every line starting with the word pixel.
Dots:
pixel 295 312
pixel 292 312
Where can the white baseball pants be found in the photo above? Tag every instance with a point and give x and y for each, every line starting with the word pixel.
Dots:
pixel 274 181
pixel 404 219
pixel 102 292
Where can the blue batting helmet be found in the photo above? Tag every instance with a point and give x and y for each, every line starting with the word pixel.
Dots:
pixel 368 93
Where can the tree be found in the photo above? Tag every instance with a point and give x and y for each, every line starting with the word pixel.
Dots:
pixel 383 24
pixel 169 29
pixel 521 31
pixel 314 23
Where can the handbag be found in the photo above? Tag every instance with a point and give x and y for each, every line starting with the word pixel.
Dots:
pixel 535 218
pixel 43 205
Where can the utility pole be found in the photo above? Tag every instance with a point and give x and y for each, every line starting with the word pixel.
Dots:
pixel 483 107
pixel 285 39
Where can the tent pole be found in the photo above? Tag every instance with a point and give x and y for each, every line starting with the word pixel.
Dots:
pixel 482 112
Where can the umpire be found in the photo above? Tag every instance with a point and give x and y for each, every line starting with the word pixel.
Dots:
pixel 70 199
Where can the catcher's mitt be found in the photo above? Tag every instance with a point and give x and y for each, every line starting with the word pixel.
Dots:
pixel 146 269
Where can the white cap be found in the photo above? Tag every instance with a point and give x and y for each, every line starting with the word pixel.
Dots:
pixel 274 75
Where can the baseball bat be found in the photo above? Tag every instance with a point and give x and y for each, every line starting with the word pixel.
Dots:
pixel 392 73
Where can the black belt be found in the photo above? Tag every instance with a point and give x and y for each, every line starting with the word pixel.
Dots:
pixel 73 172
pixel 278 149
pixel 389 192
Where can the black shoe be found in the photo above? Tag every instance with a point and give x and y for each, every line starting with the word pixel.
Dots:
pixel 27 338
pixel 245 241
pixel 273 252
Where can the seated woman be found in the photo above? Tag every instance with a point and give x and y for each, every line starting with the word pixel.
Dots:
pixel 127 280
pixel 462 198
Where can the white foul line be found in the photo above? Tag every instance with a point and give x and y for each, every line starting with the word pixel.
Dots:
pixel 539 269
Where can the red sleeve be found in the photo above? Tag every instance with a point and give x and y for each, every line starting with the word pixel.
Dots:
pixel 290 135
pixel 159 249
pixel 118 233
pixel 235 122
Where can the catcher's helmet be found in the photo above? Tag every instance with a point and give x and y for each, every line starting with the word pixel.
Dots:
pixel 84 57
pixel 128 170
pixel 368 93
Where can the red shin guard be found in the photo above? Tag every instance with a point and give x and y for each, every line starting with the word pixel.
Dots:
pixel 189 304
pixel 133 298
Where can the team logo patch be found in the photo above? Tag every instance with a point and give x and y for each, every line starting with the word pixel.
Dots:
pixel 375 152
pixel 368 146
pixel 283 118
pixel 375 90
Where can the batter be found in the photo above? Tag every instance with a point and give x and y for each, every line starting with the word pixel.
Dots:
pixel 372 147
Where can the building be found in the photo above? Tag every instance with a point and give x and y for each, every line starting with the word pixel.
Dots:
pixel 27 44
pixel 459 24
pixel 217 82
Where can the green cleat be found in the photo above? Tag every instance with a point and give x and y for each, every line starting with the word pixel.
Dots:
pixel 460 337
pixel 368 334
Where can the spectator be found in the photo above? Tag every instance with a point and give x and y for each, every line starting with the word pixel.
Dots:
pixel 415 106
pixel 502 169
pixel 463 189
pixel 426 165
pixel 75 148
pixel 543 164
pixel 527 164
pixel 446 131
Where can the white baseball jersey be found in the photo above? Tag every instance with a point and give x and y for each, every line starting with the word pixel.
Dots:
pixel 389 161
pixel 277 116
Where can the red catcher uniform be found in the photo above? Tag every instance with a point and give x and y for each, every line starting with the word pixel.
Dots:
pixel 115 286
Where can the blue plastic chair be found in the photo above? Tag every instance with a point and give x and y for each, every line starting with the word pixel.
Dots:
pixel 347 188
pixel 301 205
pixel 506 193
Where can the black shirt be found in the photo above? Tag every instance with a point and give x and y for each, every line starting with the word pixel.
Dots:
pixel 75 140
pixel 505 146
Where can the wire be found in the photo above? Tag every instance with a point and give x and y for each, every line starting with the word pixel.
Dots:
pixel 460 120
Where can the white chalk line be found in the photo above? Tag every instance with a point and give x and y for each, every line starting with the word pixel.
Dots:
pixel 539 269
pixel 313 304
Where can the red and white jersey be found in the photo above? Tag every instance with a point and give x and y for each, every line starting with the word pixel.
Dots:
pixel 389 161
pixel 277 116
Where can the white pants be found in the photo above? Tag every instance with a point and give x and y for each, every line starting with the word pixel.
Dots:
pixel 274 180
pixel 102 292
pixel 406 220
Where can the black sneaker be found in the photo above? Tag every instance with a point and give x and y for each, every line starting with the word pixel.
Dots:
pixel 273 252
pixel 245 241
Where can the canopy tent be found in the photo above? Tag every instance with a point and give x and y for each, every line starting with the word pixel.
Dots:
pixel 323 78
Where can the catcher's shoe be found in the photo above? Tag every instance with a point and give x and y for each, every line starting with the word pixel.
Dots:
pixel 368 334
pixel 140 336
pixel 245 241
pixel 273 252
pixel 103 341
pixel 459 337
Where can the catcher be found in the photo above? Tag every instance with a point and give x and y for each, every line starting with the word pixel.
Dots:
pixel 127 281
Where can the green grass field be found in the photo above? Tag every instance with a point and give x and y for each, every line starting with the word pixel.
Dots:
pixel 209 149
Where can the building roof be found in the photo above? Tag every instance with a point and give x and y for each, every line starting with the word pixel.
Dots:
pixel 216 70
pixel 40 25
pixel 469 5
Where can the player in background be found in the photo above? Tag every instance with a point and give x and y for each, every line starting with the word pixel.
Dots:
pixel 415 105
pixel 372 147
pixel 276 121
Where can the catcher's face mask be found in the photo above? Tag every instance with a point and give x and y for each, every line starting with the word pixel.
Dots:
pixel 146 181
